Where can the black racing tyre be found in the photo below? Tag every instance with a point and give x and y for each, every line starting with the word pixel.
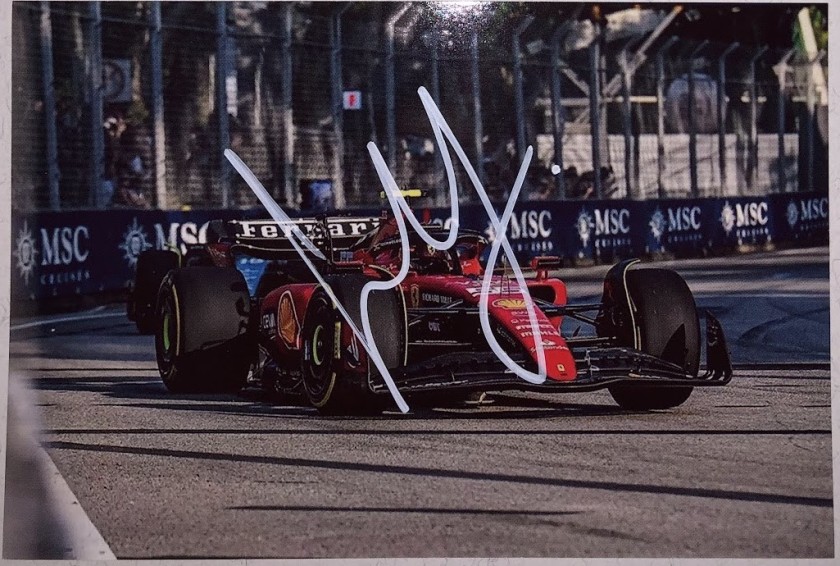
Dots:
pixel 198 257
pixel 666 317
pixel 328 388
pixel 204 341
pixel 130 305
pixel 152 267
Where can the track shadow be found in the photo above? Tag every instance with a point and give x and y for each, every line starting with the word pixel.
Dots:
pixel 484 476
pixel 149 393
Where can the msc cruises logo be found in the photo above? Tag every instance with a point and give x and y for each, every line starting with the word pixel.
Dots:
pixel 135 242
pixel 25 252
pixel 658 224
pixel 792 214
pixel 584 225
pixel 727 218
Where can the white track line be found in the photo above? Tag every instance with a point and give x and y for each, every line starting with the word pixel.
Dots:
pixel 82 536
pixel 74 318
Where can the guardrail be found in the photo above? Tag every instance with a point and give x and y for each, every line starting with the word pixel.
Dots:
pixel 61 254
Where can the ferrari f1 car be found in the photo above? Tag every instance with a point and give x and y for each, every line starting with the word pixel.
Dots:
pixel 278 329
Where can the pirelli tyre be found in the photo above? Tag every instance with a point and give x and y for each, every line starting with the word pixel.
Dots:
pixel 152 267
pixel 204 341
pixel 328 388
pixel 668 327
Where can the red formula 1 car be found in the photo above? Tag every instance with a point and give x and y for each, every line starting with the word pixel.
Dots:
pixel 215 330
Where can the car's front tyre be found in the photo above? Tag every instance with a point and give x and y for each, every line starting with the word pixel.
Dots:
pixel 665 317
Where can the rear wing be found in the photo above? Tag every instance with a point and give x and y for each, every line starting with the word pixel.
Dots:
pixel 268 239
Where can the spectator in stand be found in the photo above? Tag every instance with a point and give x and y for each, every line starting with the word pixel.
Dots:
pixel 113 129
pixel 133 171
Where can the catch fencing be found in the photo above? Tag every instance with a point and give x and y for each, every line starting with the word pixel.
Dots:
pixel 130 105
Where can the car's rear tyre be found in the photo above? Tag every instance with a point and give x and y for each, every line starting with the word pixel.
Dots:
pixel 328 387
pixel 152 267
pixel 203 341
pixel 666 319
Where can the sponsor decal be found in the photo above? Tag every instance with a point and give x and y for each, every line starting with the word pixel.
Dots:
pixel 792 214
pixel 612 222
pixel 179 235
pixel 550 345
pixel 544 325
pixel 268 229
pixel 676 224
pixel 436 298
pixel 727 218
pixel 584 226
pixel 530 224
pixel 64 245
pixel 289 326
pixel 607 227
pixel 748 220
pixel 657 224
pixel 528 232
pixel 414 293
pixel 434 326
pixel 268 323
pixel 507 287
pixel 135 242
pixel 509 304
pixel 808 214
pixel 63 252
pixel 25 253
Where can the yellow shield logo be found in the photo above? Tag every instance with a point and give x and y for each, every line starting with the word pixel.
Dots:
pixel 509 304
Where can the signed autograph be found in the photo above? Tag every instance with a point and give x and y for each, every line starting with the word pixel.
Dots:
pixel 398 204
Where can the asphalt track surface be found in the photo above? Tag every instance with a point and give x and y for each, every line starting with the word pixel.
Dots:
pixel 738 471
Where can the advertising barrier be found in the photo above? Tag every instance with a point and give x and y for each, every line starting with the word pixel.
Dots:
pixel 59 254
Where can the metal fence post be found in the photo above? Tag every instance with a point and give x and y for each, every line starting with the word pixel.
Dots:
pixel 390 103
pixel 595 106
pixel 49 106
pixel 660 114
pixel 692 123
pixel 440 193
pixel 558 117
pixel 782 67
pixel 518 87
pixel 286 106
pixel 721 114
pixel 221 100
pixel 97 156
pixel 478 139
pixel 337 79
pixel 159 132
pixel 811 102
pixel 752 163
pixel 627 117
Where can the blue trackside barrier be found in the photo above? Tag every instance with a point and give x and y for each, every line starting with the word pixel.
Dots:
pixel 61 254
